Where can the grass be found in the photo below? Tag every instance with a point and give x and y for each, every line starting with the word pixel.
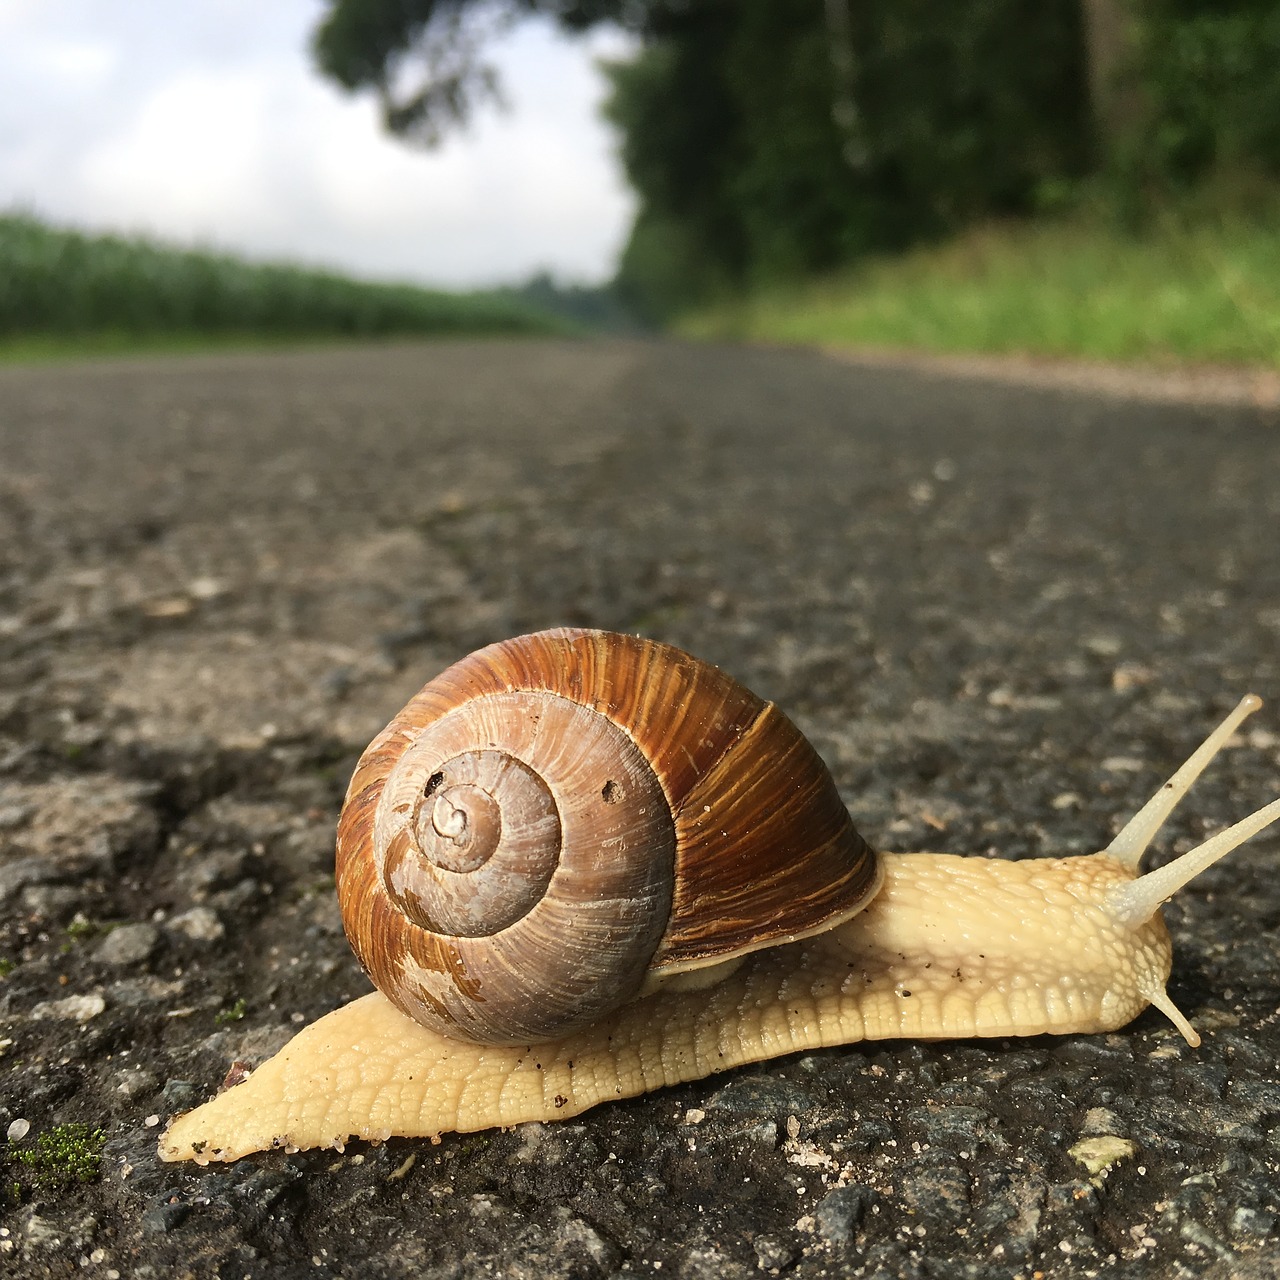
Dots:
pixel 39 348
pixel 61 1157
pixel 63 292
pixel 1206 291
pixel 232 1013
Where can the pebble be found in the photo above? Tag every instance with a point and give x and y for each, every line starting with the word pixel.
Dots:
pixel 577 1236
pixel 18 1130
pixel 1247 1223
pixel 838 1216
pixel 136 1082
pixel 130 944
pixel 564 1248
pixel 163 1218
pixel 21 872
pixel 773 1253
pixel 1008 1205
pixel 1101 1122
pixel 1110 1051
pixel 136 993
pixel 244 893
pixel 936 1191
pixel 950 1126
pixel 51 900
pixel 180 1095
pixel 708 1263
pixel 1099 1153
pixel 205 588
pixel 43 1231
pixel 217 870
pixel 200 924
pixel 75 1008
pixel 763 1133
pixel 1255 1098
pixel 1069 1204
pixel 1198 1233
pixel 761 1094
pixel 869 1133
pixel 85 820
pixel 15 815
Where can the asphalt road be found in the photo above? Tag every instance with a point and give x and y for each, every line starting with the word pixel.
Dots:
pixel 1003 614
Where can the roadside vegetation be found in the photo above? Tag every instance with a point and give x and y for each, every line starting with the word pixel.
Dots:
pixel 62 291
pixel 1040 176
pixel 54 1161
pixel 1199 289
pixel 1050 177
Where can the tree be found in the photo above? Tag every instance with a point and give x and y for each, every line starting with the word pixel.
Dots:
pixel 1112 64
pixel 770 137
pixel 424 58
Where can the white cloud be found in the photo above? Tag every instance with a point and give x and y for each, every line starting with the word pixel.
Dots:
pixel 204 122
pixel 78 66
pixel 191 159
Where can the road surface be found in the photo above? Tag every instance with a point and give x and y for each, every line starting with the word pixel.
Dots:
pixel 1002 614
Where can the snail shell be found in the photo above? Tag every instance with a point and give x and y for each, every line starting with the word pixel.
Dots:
pixel 563 821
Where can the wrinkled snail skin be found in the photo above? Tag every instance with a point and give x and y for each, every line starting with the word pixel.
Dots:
pixel 904 968
pixel 946 947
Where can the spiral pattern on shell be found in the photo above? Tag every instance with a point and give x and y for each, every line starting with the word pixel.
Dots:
pixel 558 816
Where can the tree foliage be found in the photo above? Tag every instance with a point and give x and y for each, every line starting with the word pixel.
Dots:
pixel 1211 76
pixel 425 58
pixel 746 169
pixel 770 137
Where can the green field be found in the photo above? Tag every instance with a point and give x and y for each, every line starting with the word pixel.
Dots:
pixel 64 292
pixel 1184 290
pixel 1180 291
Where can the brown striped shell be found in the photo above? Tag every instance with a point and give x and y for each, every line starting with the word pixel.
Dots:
pixel 559 820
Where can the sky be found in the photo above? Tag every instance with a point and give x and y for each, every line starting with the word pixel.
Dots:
pixel 204 123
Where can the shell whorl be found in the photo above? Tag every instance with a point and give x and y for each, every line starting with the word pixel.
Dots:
pixel 558 816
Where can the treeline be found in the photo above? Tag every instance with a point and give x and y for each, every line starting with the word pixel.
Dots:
pixel 768 138
pixel 765 142
pixel 65 284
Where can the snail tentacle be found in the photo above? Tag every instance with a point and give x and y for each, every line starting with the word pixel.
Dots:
pixel 1131 842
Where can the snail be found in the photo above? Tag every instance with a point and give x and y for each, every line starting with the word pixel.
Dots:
pixel 580 866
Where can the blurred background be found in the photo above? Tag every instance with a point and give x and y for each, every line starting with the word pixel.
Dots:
pixel 1096 178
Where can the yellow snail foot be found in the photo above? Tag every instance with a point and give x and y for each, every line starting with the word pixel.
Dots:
pixel 367 1071
pixel 903 968
pixel 363 1071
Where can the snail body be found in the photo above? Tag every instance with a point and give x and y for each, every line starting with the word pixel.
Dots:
pixel 699 900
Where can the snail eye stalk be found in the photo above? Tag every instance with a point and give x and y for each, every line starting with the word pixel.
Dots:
pixel 1133 903
pixel 1129 846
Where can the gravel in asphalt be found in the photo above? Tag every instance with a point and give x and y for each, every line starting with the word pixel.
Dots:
pixel 1002 613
